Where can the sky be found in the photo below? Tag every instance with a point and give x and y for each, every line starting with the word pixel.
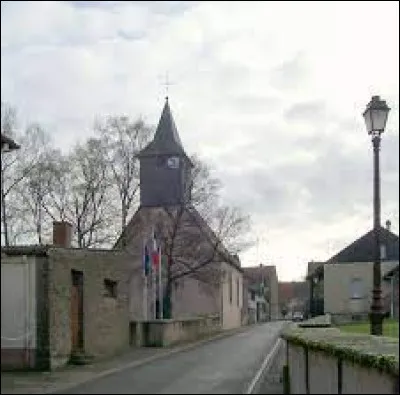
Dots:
pixel 270 94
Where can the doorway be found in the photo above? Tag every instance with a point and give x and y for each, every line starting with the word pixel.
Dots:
pixel 76 311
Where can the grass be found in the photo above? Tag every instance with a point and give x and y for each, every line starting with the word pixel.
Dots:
pixel 390 328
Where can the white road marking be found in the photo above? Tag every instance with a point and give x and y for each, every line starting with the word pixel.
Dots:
pixel 264 365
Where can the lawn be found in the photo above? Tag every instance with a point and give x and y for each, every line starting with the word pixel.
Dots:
pixel 390 327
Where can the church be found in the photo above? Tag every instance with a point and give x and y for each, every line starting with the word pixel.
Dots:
pixel 199 276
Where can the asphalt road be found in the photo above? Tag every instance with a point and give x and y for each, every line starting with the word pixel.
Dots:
pixel 224 366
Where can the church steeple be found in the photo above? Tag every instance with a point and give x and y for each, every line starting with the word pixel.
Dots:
pixel 165 169
pixel 166 140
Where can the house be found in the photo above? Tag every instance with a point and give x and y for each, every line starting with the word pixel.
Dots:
pixel 200 277
pixel 393 278
pixel 59 302
pixel 257 303
pixel 8 144
pixel 346 279
pixel 293 297
pixel 262 289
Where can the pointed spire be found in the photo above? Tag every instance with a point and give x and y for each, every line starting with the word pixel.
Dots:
pixel 166 139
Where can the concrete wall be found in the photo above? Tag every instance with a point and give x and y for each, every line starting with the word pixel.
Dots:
pixel 360 380
pixel 105 320
pixel 319 373
pixel 163 333
pixel 297 369
pixel 337 278
pixel 323 373
pixel 18 312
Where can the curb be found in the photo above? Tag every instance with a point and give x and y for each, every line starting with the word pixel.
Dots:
pixel 144 361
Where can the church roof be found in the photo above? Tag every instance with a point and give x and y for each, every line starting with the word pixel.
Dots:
pixel 166 140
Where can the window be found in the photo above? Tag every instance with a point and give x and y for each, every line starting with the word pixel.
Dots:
pixel 230 287
pixel 252 295
pixel 110 288
pixel 356 288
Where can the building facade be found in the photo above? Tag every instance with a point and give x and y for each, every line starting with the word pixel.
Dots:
pixel 199 276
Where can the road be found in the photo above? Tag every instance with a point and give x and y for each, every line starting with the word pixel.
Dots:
pixel 224 366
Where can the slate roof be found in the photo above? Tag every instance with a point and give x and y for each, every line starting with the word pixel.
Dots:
pixel 362 250
pixel 166 140
pixel 254 274
pixel 192 219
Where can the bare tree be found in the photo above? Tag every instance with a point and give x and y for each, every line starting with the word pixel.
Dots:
pixel 35 191
pixel 198 236
pixel 88 194
pixel 15 167
pixel 123 140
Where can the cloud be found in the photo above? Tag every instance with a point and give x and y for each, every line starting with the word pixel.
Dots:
pixel 271 100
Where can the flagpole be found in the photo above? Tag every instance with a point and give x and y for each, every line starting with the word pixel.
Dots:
pixel 145 282
pixel 160 290
pixel 154 277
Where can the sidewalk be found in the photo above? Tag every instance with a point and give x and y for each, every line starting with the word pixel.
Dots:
pixel 59 380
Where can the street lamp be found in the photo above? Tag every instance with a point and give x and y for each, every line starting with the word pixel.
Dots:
pixel 375 116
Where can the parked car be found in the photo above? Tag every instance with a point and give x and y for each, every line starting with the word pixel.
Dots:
pixel 298 316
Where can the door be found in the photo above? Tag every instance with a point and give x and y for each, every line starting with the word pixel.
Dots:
pixel 76 311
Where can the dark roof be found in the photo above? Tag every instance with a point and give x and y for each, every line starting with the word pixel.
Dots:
pixel 390 273
pixel 362 250
pixel 254 274
pixel 200 224
pixel 35 250
pixel 166 140
pixel 7 140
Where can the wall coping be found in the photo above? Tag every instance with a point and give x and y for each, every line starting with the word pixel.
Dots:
pixel 378 352
pixel 176 320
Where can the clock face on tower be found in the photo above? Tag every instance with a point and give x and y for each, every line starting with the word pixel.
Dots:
pixel 173 162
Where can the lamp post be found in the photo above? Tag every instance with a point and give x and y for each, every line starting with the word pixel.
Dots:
pixel 375 116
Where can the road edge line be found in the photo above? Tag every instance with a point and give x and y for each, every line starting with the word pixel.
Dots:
pixel 264 366
pixel 144 361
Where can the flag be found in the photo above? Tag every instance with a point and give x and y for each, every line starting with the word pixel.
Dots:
pixel 146 261
pixel 155 254
pixel 156 257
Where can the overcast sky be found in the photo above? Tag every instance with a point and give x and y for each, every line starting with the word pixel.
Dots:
pixel 269 93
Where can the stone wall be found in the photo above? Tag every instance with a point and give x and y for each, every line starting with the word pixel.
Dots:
pixel 105 319
pixel 163 333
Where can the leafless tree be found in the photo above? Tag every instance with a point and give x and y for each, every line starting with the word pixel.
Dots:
pixel 15 167
pixel 88 193
pixel 123 139
pixel 198 236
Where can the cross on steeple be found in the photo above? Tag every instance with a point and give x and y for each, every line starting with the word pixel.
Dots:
pixel 167 84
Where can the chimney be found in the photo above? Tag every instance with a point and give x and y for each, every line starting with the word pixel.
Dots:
pixel 62 234
pixel 388 224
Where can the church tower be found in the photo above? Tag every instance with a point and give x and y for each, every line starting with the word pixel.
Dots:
pixel 165 169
